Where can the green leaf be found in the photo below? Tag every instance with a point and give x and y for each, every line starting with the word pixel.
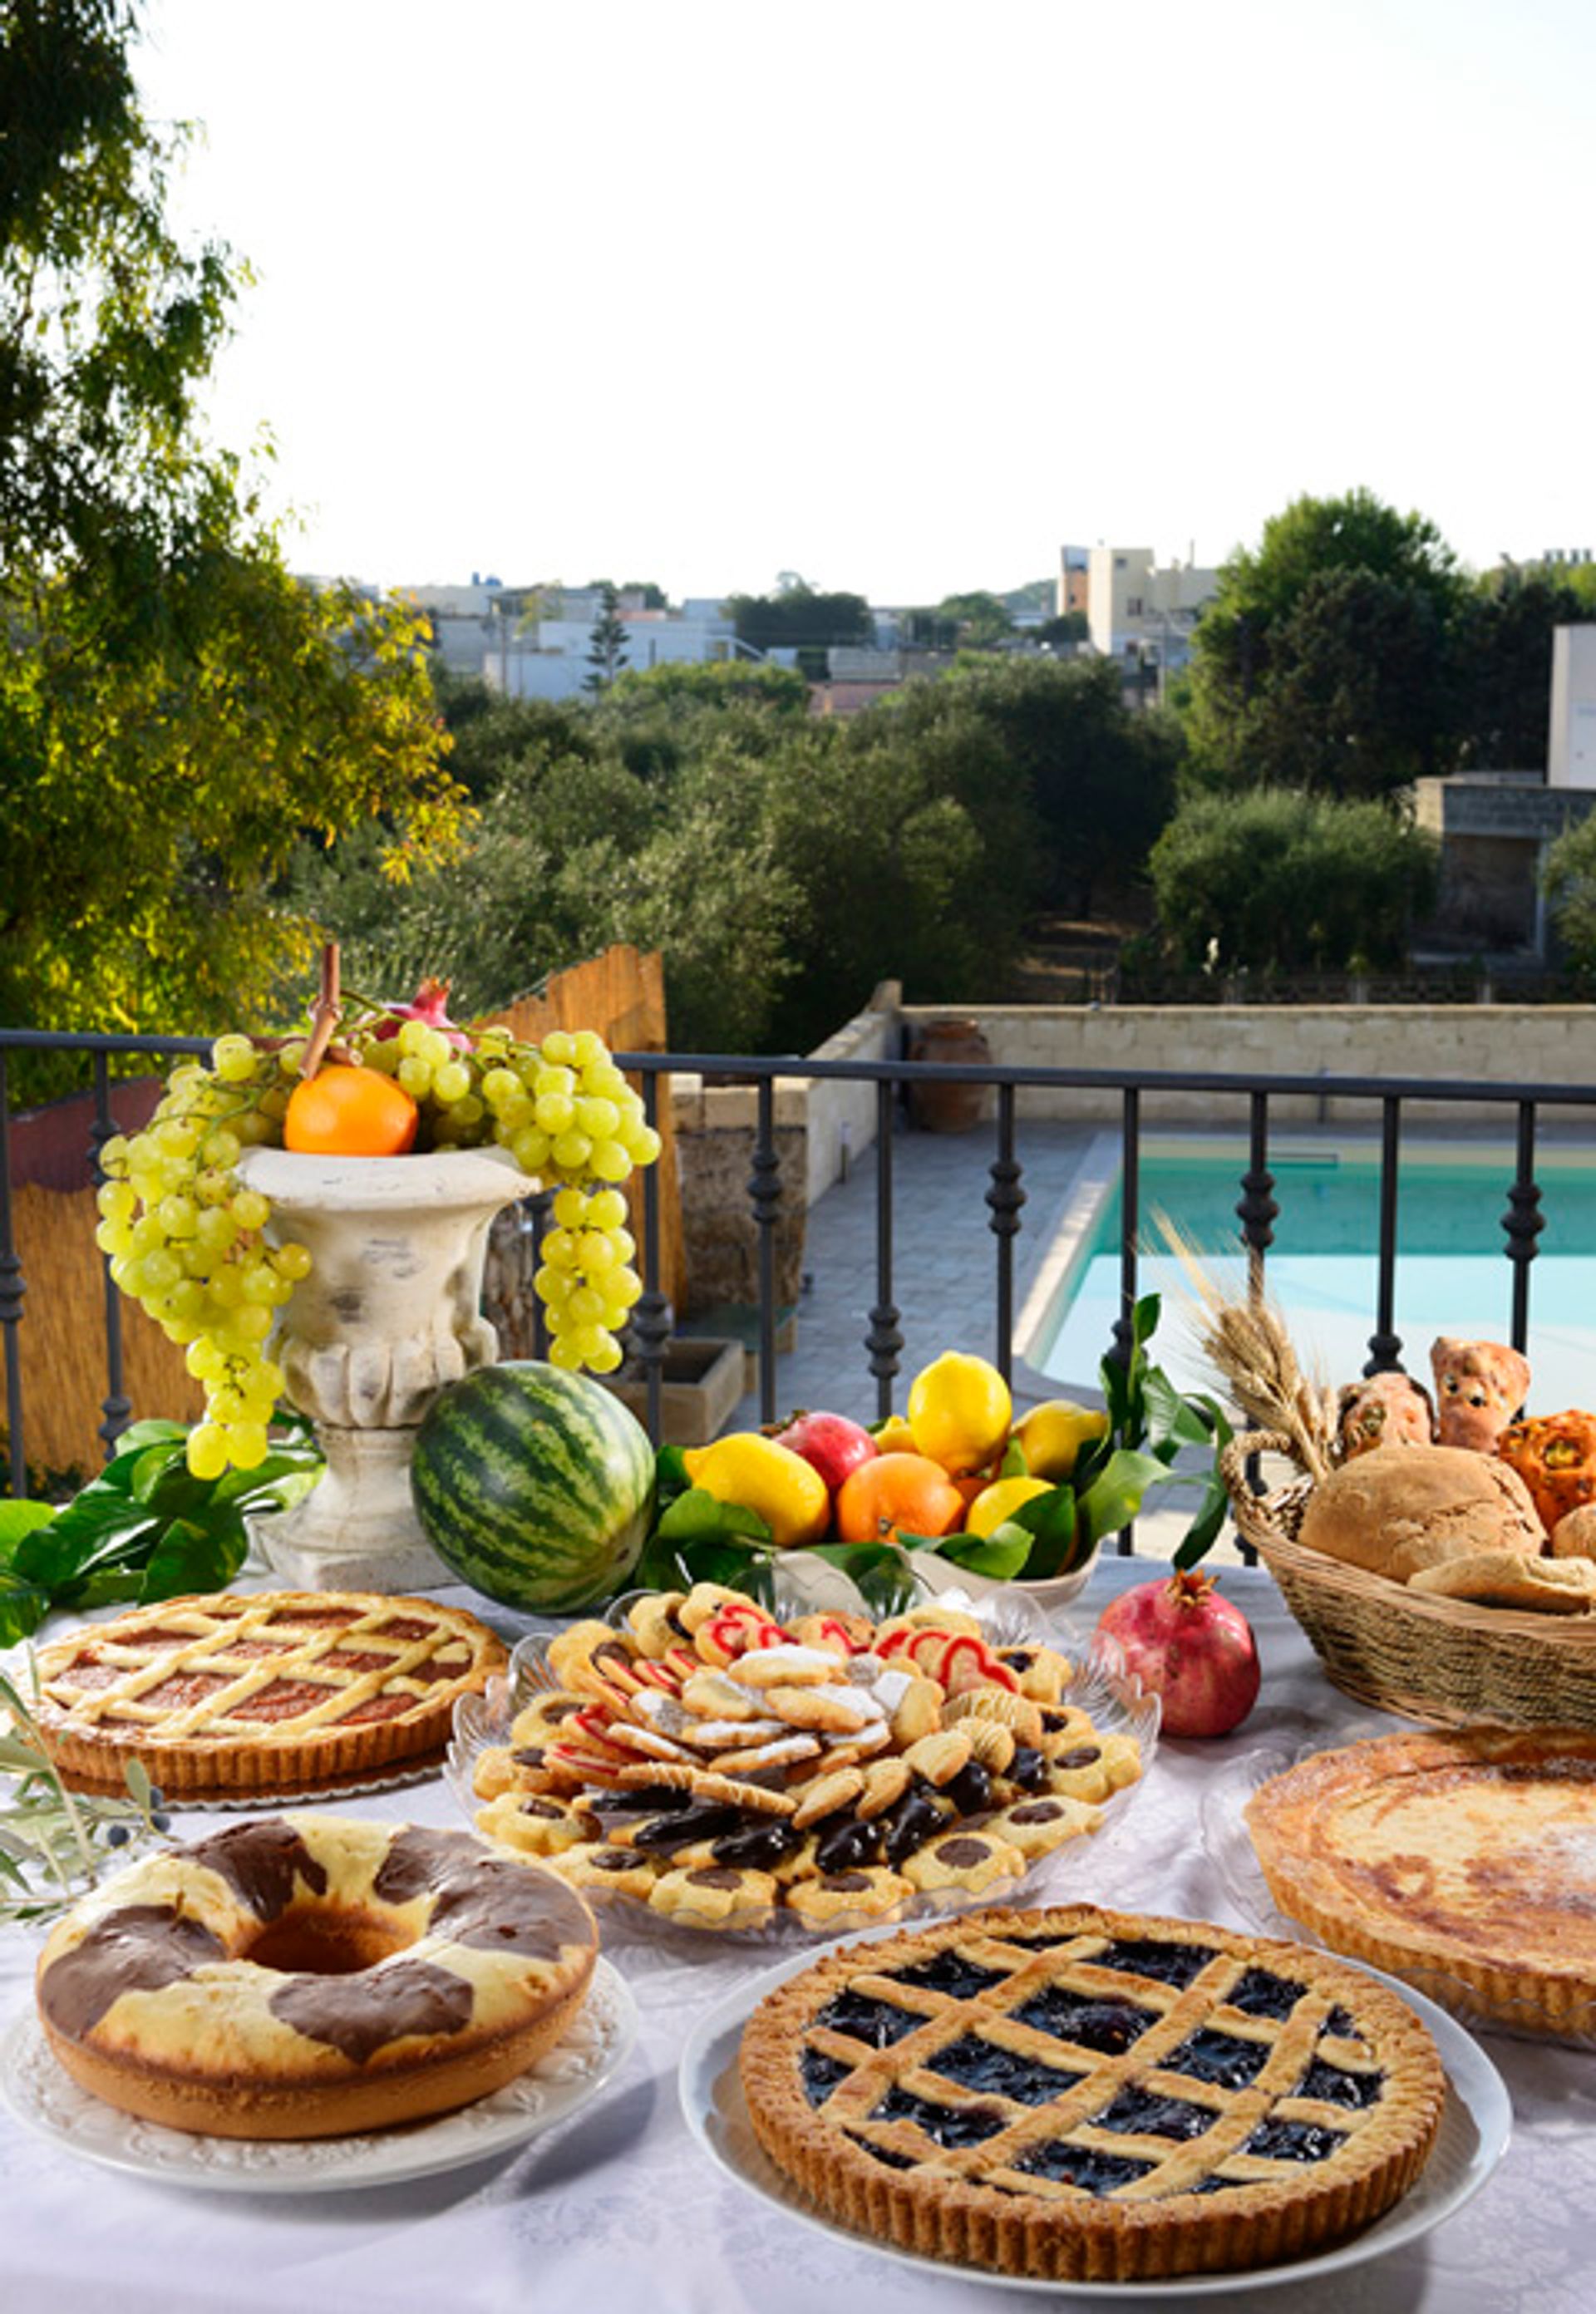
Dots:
pixel 193 1558
pixel 152 1432
pixel 699 1516
pixel 1000 1555
pixel 670 1474
pixel 18 1519
pixel 152 1466
pixel 1014 1464
pixel 1115 1496
pixel 1054 1523
pixel 96 1521
pixel 138 1778
pixel 23 1607
pixel 1199 1537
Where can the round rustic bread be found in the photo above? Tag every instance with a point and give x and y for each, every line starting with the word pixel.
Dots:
pixel 1402 1508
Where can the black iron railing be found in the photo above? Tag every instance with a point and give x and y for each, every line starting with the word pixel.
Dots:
pixel 1256 1209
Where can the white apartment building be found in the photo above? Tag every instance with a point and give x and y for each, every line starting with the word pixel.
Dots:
pixel 532 641
pixel 1135 609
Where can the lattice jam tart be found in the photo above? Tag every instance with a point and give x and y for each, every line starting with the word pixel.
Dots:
pixel 1092 2096
pixel 277 1691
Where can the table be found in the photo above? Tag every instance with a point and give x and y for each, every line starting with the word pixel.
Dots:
pixel 620 2208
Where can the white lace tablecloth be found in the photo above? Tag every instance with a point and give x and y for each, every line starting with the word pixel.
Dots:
pixel 619 2210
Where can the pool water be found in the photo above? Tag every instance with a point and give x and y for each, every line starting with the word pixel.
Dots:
pixel 1453 1276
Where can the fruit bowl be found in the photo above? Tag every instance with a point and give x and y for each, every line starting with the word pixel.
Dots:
pixel 1099 1686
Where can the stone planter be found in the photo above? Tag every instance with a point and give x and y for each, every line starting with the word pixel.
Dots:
pixel 388 1315
pixel 700 1384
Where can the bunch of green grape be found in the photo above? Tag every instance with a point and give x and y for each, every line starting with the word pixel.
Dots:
pixel 568 1117
pixel 187 1240
pixel 191 1243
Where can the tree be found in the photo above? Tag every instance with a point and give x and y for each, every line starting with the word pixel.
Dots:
pixel 978 621
pixel 1096 783
pixel 1503 655
pixel 798 617
pixel 1284 624
pixel 1569 878
pixel 1279 880
pixel 174 707
pixel 606 645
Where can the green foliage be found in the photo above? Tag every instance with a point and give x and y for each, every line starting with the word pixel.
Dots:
pixel 144 1529
pixel 797 615
pixel 1570 883
pixel 1322 658
pixel 606 645
pixel 1277 880
pixel 1502 653
pixel 174 707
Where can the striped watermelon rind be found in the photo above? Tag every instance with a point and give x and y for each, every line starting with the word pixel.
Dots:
pixel 534 1486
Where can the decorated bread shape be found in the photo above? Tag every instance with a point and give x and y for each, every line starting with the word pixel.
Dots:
pixel 1555 1454
pixel 308 1976
pixel 1575 1535
pixel 1480 1387
pixel 1387 1410
pixel 1401 1509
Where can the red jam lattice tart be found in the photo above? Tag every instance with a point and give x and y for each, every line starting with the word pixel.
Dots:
pixel 706 1761
pixel 1093 2096
pixel 277 1691
pixel 309 1975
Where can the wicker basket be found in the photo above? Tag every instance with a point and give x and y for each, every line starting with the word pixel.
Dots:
pixel 1439 1660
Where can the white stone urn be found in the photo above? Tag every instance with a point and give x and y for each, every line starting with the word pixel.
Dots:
pixel 388 1315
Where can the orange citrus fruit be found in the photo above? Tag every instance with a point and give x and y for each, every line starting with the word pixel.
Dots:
pixel 348 1112
pixel 960 1408
pixel 998 1501
pixel 896 1490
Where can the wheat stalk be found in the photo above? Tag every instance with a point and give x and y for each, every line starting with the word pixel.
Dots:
pixel 1246 1344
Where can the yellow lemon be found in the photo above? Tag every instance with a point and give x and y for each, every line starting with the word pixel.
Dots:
pixel 1051 1436
pixel 958 1412
pixel 787 1492
pixel 998 1501
pixel 894 1436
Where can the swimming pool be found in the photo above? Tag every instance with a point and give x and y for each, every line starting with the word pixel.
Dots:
pixel 1453 1276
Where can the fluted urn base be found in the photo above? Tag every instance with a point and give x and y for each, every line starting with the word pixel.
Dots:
pixel 388 1316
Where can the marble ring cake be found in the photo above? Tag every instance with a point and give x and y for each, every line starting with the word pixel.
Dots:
pixel 264 1692
pixel 1093 2096
pixel 310 1975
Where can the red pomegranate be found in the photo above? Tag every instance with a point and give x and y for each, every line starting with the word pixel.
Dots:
pixel 1192 1647
pixel 430 1004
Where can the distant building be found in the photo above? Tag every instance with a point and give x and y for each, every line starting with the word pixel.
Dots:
pixel 1070 590
pixel 532 641
pixel 1138 612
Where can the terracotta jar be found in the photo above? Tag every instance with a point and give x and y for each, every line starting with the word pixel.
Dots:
pixel 948 1107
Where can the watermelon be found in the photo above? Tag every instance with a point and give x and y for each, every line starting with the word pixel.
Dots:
pixel 535 1486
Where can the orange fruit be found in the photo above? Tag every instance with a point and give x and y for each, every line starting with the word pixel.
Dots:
pixel 896 1490
pixel 347 1112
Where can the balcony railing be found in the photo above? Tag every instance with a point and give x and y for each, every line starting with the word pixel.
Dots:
pixel 1256 1209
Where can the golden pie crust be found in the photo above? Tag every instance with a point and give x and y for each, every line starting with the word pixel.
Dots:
pixel 273 1692
pixel 1469 1858
pixel 1089 2095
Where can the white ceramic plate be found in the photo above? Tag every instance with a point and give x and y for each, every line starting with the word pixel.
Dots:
pixel 1475 2129
pixel 40 2092
pixel 1102 1687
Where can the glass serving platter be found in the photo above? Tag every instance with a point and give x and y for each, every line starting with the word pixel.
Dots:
pixel 1100 1685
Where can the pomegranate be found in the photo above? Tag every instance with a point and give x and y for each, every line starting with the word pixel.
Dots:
pixel 830 1443
pixel 430 1004
pixel 1192 1647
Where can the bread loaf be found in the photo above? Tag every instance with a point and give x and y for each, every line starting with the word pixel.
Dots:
pixel 1401 1509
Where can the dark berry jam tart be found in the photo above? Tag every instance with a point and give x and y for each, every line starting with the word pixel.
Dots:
pixel 1090 2096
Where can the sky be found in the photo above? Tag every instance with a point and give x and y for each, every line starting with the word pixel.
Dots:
pixel 896 295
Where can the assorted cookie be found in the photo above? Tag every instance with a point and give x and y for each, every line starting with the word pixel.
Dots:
pixel 721 1768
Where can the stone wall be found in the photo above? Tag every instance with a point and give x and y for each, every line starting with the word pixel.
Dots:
pixel 716 1126
pixel 1552 1043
